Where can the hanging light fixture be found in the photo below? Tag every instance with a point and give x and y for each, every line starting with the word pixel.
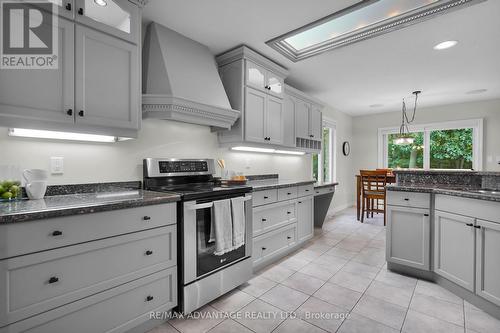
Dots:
pixel 404 137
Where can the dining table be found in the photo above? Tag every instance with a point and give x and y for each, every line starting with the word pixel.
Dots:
pixel 391 179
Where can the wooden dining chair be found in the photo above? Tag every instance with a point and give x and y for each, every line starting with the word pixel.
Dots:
pixel 373 183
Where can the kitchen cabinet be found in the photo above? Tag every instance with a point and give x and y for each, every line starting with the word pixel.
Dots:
pixel 487 262
pixel 289 122
pixel 305 218
pixel 96 87
pixel 36 96
pixel 255 86
pixel 315 123
pixel 119 18
pixel 302 119
pixel 78 266
pixel 107 80
pixel 408 236
pixel 454 248
pixel 269 246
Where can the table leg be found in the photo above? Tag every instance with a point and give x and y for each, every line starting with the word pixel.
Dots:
pixel 358 197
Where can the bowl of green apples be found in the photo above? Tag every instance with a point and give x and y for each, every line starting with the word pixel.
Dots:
pixel 10 190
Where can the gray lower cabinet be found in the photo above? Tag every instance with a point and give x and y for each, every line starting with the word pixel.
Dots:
pixel 408 236
pixel 126 263
pixel 31 97
pixel 487 262
pixel 454 248
pixel 305 218
pixel 107 80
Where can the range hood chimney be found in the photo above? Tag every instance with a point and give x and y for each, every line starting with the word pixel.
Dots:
pixel 181 81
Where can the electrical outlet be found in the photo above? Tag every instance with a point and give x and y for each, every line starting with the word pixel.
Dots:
pixel 56 165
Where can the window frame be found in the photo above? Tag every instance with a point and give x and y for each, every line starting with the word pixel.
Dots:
pixel 477 140
pixel 332 125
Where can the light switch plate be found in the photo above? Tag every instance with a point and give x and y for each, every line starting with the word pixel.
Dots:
pixel 56 165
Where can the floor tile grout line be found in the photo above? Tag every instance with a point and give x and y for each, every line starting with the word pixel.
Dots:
pixel 408 308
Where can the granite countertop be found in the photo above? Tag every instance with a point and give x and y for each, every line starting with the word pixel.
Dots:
pixel 445 172
pixel 454 190
pixel 80 203
pixel 272 183
pixel 324 184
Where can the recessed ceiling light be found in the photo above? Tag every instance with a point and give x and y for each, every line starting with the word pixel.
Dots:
pixel 445 45
pixel 376 105
pixel 477 91
pixel 101 3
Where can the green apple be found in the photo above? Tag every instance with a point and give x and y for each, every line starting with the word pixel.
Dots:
pixel 14 189
pixel 6 195
pixel 2 189
pixel 7 183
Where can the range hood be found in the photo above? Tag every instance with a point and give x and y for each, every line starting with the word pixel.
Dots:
pixel 181 81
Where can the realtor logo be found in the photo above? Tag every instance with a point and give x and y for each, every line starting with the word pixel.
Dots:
pixel 28 35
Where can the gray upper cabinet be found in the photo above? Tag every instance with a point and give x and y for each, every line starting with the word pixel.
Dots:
pixel 454 248
pixel 408 236
pixel 96 87
pixel 107 80
pixel 33 97
pixel 289 122
pixel 119 18
pixel 315 122
pixel 255 86
pixel 274 120
pixel 302 119
pixel 255 106
pixel 487 263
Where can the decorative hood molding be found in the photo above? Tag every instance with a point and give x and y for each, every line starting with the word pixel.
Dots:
pixel 181 81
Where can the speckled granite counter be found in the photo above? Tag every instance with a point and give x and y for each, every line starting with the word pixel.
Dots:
pixel 268 184
pixel 80 203
pixel 318 185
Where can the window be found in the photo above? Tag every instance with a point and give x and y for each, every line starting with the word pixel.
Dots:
pixel 324 162
pixel 451 145
pixel 363 20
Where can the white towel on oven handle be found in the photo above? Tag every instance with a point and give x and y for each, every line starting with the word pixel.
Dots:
pixel 238 214
pixel 222 226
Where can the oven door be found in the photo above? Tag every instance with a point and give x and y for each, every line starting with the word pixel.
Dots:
pixel 199 259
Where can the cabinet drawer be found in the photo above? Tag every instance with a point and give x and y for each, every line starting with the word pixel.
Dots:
pixel 264 197
pixel 304 190
pixel 115 310
pixel 269 217
pixel 324 190
pixel 409 199
pixel 287 193
pixel 42 281
pixel 273 243
pixel 481 209
pixel 63 231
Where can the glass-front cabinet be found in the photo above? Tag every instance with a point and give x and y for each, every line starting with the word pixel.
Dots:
pixel 260 78
pixel 275 84
pixel 116 17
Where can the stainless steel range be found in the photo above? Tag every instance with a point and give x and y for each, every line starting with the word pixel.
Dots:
pixel 203 273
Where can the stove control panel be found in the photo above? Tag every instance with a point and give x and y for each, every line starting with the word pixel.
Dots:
pixel 159 167
pixel 182 166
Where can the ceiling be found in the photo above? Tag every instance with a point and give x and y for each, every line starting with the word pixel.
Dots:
pixel 381 70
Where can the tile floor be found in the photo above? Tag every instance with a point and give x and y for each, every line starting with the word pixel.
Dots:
pixel 338 273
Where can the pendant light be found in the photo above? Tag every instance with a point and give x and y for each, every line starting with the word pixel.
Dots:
pixel 404 137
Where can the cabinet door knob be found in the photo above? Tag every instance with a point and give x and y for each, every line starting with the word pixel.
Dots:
pixel 69 112
pixel 406 199
pixel 469 224
pixel 307 190
pixel 68 6
pixel 264 248
pixel 477 226
pixel 426 214
pixel 266 197
pixel 289 212
pixel 289 193
pixel 53 279
pixel 300 202
pixel 288 237
pixel 56 233
pixel 264 220
pixel 80 11
pixel 146 218
pixel 149 298
pixel 149 252
pixel 81 113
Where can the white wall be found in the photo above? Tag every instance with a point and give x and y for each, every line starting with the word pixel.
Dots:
pixel 344 194
pixel 365 130
pixel 122 161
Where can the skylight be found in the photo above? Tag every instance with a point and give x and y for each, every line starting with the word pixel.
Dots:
pixel 363 20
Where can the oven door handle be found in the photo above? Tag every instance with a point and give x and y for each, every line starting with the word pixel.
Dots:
pixel 210 204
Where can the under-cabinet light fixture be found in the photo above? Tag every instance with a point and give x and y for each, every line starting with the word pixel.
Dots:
pixel 445 45
pixel 267 150
pixel 55 135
